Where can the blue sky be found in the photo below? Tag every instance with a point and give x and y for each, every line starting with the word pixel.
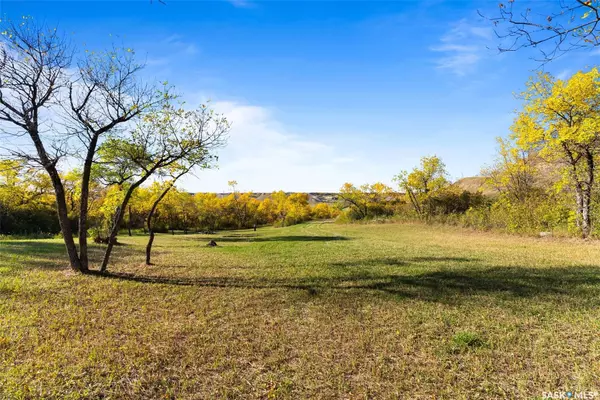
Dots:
pixel 322 93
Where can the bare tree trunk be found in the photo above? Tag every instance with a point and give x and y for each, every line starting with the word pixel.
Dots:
pixel 129 222
pixel 414 201
pixel 117 222
pixel 83 203
pixel 149 223
pixel 586 220
pixel 149 247
pixel 65 223
pixel 61 202
pixel 579 206
pixel 586 202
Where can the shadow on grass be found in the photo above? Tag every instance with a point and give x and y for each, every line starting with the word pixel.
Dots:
pixel 291 238
pixel 42 254
pixel 576 283
pixel 396 261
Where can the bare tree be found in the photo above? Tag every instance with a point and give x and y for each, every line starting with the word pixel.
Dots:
pixel 65 108
pixel 571 24
pixel 105 95
pixel 34 71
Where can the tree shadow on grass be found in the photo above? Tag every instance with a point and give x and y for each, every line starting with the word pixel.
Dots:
pixel 291 238
pixel 46 254
pixel 397 261
pixel 577 284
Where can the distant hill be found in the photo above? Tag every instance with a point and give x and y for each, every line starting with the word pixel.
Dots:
pixel 475 184
pixel 470 184
pixel 313 198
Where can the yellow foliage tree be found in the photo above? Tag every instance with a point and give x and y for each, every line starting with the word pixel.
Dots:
pixel 561 121
pixel 424 182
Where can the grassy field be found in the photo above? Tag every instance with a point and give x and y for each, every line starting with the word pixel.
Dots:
pixel 311 311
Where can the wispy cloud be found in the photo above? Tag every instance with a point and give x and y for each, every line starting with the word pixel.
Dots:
pixel 463 47
pixel 564 74
pixel 178 43
pixel 241 3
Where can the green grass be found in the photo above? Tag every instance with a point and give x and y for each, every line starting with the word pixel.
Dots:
pixel 310 311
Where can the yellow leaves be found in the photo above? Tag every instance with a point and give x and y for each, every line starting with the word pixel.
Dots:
pixel 557 112
pixel 526 131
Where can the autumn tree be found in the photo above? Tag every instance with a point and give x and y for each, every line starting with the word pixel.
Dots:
pixel 423 182
pixel 324 211
pixel 240 205
pixel 26 204
pixel 514 171
pixel 368 200
pixel 279 207
pixel 209 210
pixel 298 208
pixel 169 139
pixel 560 120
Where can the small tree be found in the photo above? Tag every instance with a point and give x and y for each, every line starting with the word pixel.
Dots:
pixel 423 183
pixel 368 200
pixel 170 139
pixel 513 172
pixel 105 94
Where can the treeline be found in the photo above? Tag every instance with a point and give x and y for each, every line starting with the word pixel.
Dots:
pixel 425 194
pixel 122 133
pixel 27 206
pixel 544 178
pixel 209 212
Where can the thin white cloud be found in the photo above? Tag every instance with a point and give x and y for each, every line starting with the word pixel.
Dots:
pixel 462 48
pixel 564 74
pixel 179 44
pixel 262 156
pixel 241 3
